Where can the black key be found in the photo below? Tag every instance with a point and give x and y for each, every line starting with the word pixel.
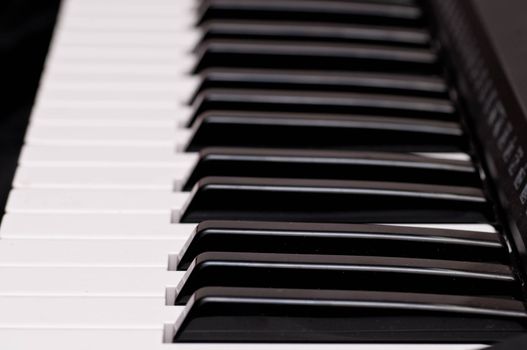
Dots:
pixel 338 272
pixel 306 31
pixel 231 198
pixel 329 132
pixel 314 56
pixel 339 239
pixel 331 165
pixel 322 102
pixel 278 315
pixel 270 79
pixel 316 11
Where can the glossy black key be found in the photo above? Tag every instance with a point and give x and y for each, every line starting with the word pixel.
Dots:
pixel 363 82
pixel 316 11
pixel 311 164
pixel 340 239
pixel 309 31
pixel 314 56
pixel 322 102
pixel 324 132
pixel 338 272
pixel 238 315
pixel 231 198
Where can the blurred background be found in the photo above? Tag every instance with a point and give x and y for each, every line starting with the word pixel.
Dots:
pixel 25 31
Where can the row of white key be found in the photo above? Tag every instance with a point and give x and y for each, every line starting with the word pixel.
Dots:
pixel 97 282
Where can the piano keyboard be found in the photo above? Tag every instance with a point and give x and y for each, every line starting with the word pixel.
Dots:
pixel 204 174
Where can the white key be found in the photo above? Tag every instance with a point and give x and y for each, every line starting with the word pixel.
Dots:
pixel 186 39
pixel 148 24
pixel 125 281
pixel 88 252
pixel 100 102
pixel 99 121
pixel 124 91
pixel 132 178
pixel 114 106
pixel 131 69
pixel 45 338
pixel 107 135
pixel 162 11
pixel 120 54
pixel 118 156
pixel 120 3
pixel 99 115
pixel 96 312
pixel 93 226
pixel 140 6
pixel 90 85
pixel 94 201
pixel 180 88
pixel 115 118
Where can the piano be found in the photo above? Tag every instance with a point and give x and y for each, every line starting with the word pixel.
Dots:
pixel 270 174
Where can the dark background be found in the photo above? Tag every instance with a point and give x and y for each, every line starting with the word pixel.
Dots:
pixel 26 27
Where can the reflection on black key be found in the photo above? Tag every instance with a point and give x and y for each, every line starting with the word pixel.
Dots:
pixel 271 79
pixel 322 102
pixel 278 315
pixel 316 11
pixel 311 164
pixel 230 198
pixel 319 131
pixel 314 56
pixel 340 239
pixel 338 272
pixel 309 31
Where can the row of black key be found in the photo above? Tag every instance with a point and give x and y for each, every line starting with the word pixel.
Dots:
pixel 308 101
